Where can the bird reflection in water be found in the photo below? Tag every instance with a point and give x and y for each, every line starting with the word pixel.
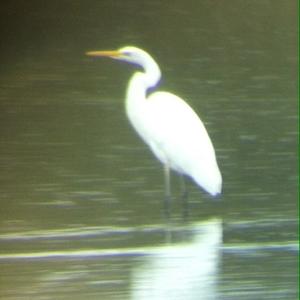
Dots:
pixel 182 271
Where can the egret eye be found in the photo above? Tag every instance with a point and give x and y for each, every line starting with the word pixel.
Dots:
pixel 127 53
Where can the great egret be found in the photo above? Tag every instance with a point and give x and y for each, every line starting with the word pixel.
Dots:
pixel 167 124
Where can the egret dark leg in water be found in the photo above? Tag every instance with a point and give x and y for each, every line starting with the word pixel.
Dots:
pixel 168 196
pixel 184 198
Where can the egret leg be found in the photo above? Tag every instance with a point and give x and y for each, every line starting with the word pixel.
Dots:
pixel 167 201
pixel 184 198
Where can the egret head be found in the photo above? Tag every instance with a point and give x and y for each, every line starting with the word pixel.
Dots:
pixel 136 56
pixel 130 54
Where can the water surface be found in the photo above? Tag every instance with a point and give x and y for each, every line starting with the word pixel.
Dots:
pixel 81 196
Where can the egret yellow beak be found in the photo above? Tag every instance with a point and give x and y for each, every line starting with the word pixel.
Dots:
pixel 110 53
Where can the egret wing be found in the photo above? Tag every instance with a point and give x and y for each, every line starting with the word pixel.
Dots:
pixel 178 138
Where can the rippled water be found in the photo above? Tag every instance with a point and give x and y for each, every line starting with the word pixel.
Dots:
pixel 81 196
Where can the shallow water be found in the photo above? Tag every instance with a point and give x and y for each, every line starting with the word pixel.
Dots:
pixel 81 196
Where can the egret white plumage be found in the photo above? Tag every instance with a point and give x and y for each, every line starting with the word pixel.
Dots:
pixel 167 124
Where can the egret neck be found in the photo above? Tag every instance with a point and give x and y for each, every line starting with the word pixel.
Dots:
pixel 137 88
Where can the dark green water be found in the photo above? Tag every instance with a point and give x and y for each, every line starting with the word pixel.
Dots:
pixel 81 196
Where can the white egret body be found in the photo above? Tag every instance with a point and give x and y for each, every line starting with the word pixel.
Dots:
pixel 169 126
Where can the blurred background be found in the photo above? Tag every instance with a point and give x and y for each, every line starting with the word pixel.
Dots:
pixel 81 195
